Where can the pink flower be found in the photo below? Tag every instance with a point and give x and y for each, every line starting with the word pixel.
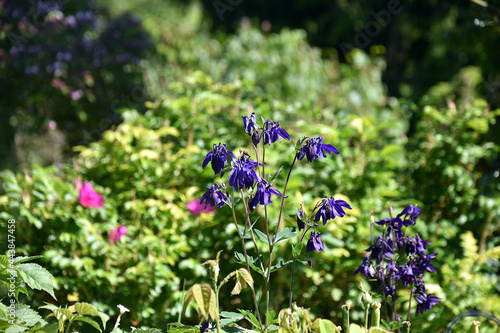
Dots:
pixel 196 208
pixel 116 234
pixel 89 197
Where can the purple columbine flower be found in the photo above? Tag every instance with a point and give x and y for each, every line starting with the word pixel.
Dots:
pixel 410 215
pixel 314 243
pixel 424 263
pixel 425 302
pixel 331 209
pixel 262 194
pixel 218 156
pixel 213 196
pixel 272 132
pixel 365 268
pixel 381 249
pixel 407 274
pixel 251 128
pixel 315 148
pixel 243 174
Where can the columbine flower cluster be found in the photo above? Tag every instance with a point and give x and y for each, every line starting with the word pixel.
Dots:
pixel 244 175
pixel 395 259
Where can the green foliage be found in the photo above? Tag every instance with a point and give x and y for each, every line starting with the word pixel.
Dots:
pixel 79 312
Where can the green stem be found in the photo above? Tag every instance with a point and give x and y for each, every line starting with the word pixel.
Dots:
pixel 246 260
pixel 291 283
pixel 217 310
pixel 376 314
pixel 69 324
pixel 409 306
pixel 345 317
pixel 367 315
pixel 283 198
pixel 250 226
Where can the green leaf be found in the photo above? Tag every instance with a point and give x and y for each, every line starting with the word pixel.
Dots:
pixel 246 276
pixel 297 250
pixel 20 259
pixel 252 319
pixel 288 232
pixel 50 328
pixel 176 328
pixel 243 234
pixel 353 328
pixel 261 236
pixel 324 326
pixel 89 321
pixel 240 258
pixel 188 297
pixel 204 297
pixel 276 174
pixel 280 265
pixel 84 309
pixel 230 317
pixel 36 277
pixel 270 318
pixel 200 301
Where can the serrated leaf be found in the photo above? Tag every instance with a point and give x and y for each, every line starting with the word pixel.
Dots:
pixel 36 277
pixel 20 260
pixel 89 321
pixel 84 309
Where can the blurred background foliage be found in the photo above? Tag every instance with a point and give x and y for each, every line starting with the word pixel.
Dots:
pixel 131 95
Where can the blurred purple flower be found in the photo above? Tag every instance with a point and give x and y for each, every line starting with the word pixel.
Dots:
pixel 213 196
pixel 315 148
pixel 425 302
pixel 314 243
pixel 76 95
pixel 263 194
pixel 331 209
pixel 272 132
pixel 218 157
pixel 243 174
pixel 251 128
